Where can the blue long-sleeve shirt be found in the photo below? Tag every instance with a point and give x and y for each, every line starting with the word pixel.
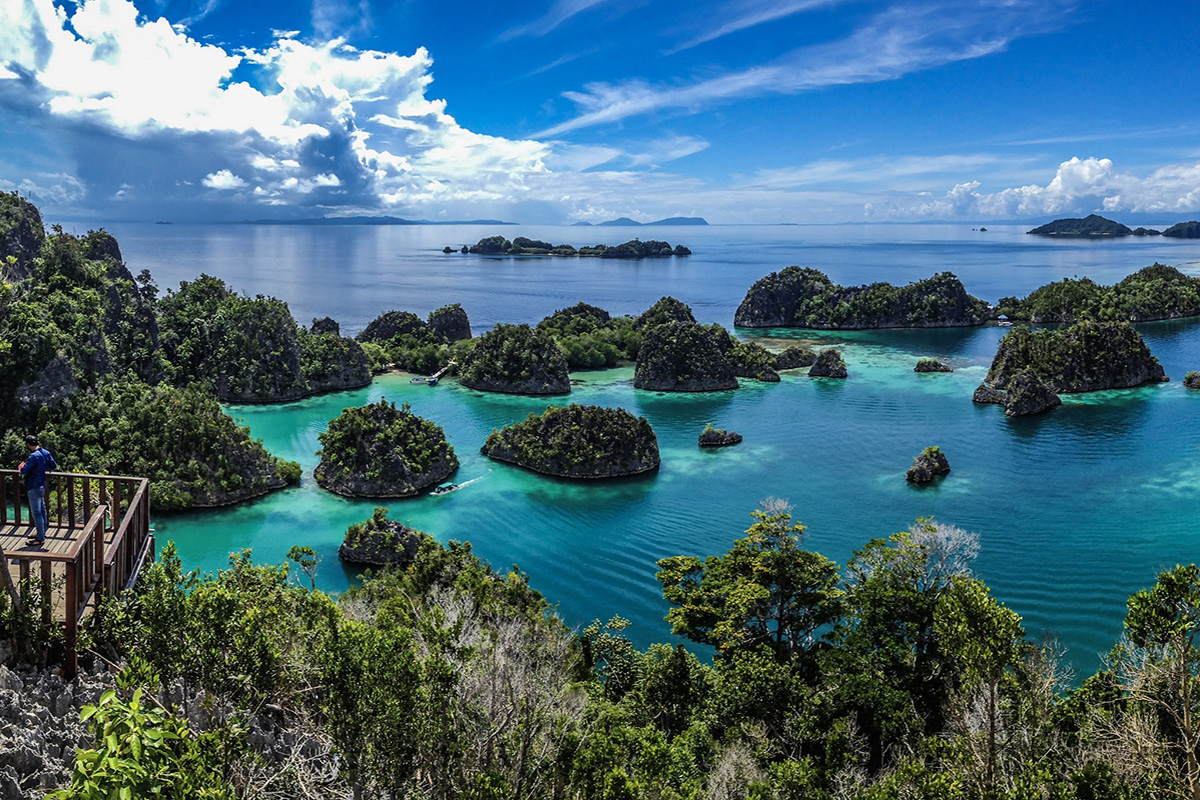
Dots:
pixel 35 467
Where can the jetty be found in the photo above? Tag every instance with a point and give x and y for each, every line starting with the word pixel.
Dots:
pixel 97 542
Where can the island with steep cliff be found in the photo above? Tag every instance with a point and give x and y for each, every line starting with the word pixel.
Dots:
pixel 1031 369
pixel 515 359
pixel 1152 293
pixel 379 450
pixel 802 297
pixel 578 441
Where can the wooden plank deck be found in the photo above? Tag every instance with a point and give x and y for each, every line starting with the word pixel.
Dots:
pixel 59 542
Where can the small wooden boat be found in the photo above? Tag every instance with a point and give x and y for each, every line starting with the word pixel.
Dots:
pixel 426 381
pixel 445 488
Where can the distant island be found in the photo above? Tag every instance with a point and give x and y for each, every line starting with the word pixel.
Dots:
pixel 1092 225
pixel 627 222
pixel 521 246
pixel 1183 230
pixel 370 221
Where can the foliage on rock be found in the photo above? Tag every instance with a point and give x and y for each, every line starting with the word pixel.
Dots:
pixel 379 450
pixel 515 359
pixel 1152 293
pixel 798 297
pixel 590 338
pixel 685 357
pixel 578 441
pixel 1083 357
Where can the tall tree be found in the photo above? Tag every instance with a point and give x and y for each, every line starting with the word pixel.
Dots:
pixel 766 590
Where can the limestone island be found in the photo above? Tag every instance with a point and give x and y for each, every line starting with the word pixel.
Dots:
pixel 1192 380
pixel 931 365
pixel 576 441
pixel 1183 230
pixel 380 542
pixel 402 340
pixel 1092 225
pixel 515 359
pixel 591 338
pixel 379 450
pixel 685 357
pixel 802 297
pixel 1152 293
pixel 927 466
pixel 521 246
pixel 1031 369
pixel 250 350
pixel 829 364
pixel 715 437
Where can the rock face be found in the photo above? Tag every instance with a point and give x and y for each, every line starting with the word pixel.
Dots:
pixel 326 325
pixel 1031 369
pixel 795 357
pixel 667 309
pixel 576 441
pixel 383 451
pixel 927 466
pixel 798 297
pixel 391 324
pixel 380 542
pixel 1027 394
pixel 1081 358
pixel 829 364
pixel 332 363
pixel 1192 380
pixel 1183 230
pixel 21 233
pixel 931 365
pixel 450 323
pixel 715 437
pixel 751 360
pixel 515 359
pixel 1092 225
pixel 684 357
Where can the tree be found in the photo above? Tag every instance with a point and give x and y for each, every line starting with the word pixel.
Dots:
pixel 766 590
pixel 1161 667
pixel 987 643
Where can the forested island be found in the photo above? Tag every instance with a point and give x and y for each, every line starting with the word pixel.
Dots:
pixel 522 246
pixel 798 297
pixel 1153 293
pixel 578 441
pixel 1091 225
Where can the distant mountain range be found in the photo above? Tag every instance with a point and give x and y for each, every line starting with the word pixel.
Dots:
pixel 370 221
pixel 632 223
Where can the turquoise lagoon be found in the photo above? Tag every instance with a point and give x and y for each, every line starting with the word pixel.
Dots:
pixel 1075 509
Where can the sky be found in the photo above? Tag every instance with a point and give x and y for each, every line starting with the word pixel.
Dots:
pixel 560 111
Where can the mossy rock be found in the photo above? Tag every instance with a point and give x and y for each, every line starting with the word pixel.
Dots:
pixel 380 542
pixel 829 364
pixel 928 465
pixel 684 357
pixel 931 365
pixel 379 450
pixel 515 359
pixel 577 441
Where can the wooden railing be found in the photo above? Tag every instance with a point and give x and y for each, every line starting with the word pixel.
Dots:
pixel 107 521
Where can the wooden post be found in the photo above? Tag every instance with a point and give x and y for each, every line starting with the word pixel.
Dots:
pixel 71 510
pixel 47 607
pixel 71 612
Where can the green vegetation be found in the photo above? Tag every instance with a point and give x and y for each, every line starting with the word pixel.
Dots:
pixel 1083 357
pixel 403 340
pixel 515 359
pixel 379 450
pixel 1091 225
pixel 665 310
pixel 685 357
pixel 192 451
pixel 251 350
pixel 806 298
pixel 83 353
pixel 590 338
pixel 897 676
pixel 578 441
pixel 1155 292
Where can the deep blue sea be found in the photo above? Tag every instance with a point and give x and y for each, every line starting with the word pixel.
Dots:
pixel 1076 509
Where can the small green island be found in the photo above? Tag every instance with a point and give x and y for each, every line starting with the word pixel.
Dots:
pixel 380 542
pixel 379 450
pixel 515 359
pixel 578 441
pixel 802 297
pixel 1031 368
pixel 1183 230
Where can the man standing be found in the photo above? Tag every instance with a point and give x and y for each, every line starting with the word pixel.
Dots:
pixel 34 469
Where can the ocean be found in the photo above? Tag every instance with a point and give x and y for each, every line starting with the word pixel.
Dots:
pixel 1076 509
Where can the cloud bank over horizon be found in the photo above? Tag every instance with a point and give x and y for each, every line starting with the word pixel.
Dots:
pixel 123 116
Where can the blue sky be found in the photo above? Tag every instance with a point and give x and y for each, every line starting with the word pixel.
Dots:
pixel 740 111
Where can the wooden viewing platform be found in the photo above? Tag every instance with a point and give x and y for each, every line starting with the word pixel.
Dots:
pixel 97 541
